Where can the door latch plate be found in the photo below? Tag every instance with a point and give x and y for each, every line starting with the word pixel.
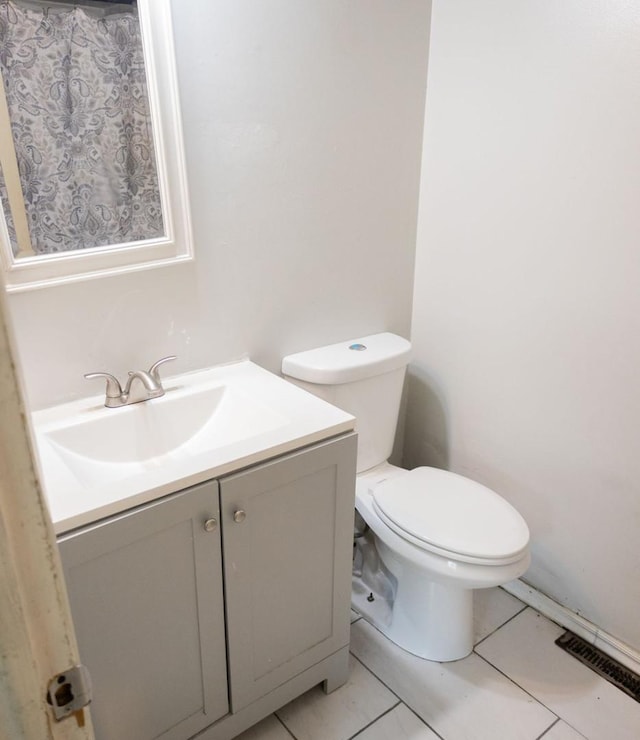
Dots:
pixel 68 692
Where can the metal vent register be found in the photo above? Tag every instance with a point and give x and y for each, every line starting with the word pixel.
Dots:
pixel 602 664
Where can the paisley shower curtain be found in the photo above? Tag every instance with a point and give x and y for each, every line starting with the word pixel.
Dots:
pixel 77 96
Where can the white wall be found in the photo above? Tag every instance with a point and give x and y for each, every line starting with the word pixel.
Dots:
pixel 526 319
pixel 303 127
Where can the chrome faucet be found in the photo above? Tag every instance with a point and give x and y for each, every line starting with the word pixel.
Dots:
pixel 150 379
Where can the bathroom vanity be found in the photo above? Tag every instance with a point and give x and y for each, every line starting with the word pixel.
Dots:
pixel 208 603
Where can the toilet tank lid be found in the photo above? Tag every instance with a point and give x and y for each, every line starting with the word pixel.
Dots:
pixel 345 362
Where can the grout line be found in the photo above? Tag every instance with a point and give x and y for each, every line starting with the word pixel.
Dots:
pixel 366 667
pixel 437 734
pixel 285 727
pixel 400 700
pixel 515 683
pixel 373 721
pixel 548 729
pixel 524 606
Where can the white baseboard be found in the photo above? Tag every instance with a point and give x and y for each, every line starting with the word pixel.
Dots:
pixel 580 626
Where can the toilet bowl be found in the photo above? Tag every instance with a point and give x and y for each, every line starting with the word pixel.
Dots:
pixel 415 582
pixel 424 538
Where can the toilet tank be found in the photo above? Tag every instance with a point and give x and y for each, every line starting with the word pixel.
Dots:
pixel 363 377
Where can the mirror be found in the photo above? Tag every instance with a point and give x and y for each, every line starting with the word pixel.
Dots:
pixel 92 176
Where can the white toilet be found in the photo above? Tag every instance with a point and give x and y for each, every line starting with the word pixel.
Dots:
pixel 425 538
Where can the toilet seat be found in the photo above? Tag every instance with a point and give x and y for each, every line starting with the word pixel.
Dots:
pixel 452 516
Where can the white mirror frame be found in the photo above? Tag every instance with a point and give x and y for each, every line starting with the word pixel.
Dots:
pixel 28 273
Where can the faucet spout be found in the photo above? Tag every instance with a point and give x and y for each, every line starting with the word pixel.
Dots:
pixel 152 386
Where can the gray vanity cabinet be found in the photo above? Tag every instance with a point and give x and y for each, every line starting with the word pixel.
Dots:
pixel 147 602
pixel 150 610
pixel 287 529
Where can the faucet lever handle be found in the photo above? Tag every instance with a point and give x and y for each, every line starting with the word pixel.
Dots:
pixel 153 370
pixel 114 389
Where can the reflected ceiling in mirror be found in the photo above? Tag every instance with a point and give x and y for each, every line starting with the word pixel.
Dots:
pixel 92 175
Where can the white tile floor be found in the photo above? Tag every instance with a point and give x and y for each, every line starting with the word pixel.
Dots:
pixel 516 685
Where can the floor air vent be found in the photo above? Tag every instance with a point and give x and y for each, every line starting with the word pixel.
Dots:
pixel 607 667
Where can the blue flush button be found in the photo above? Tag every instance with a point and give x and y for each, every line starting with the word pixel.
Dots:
pixel 358 347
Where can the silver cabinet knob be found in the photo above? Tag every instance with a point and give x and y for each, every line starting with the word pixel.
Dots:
pixel 210 525
pixel 239 516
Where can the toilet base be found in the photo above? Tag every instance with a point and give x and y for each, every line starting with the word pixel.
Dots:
pixel 445 633
pixel 429 619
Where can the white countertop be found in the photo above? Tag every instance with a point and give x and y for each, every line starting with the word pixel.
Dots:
pixel 257 416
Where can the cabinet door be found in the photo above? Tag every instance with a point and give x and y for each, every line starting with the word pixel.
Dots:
pixel 146 597
pixel 287 530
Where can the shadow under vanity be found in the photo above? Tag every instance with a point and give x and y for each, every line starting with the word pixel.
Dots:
pixel 211 598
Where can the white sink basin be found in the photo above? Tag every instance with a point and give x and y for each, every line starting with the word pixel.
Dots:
pixel 96 461
pixel 184 418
